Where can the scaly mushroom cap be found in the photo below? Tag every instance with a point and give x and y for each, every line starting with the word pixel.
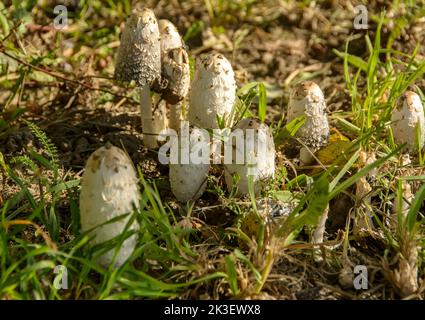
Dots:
pixel 176 71
pixel 258 147
pixel 407 118
pixel 189 181
pixel 212 92
pixel 170 37
pixel 108 190
pixel 307 99
pixel 139 54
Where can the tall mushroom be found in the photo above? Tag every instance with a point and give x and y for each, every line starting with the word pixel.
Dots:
pixel 307 99
pixel 189 164
pixel 109 189
pixel 139 59
pixel 175 71
pixel 252 157
pixel 408 126
pixel 213 91
pixel 405 277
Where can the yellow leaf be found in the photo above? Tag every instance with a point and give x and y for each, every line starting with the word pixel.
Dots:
pixel 338 145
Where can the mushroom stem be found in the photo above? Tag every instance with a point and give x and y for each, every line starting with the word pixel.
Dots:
pixel 401 208
pixel 175 115
pixel 307 155
pixel 318 234
pixel 149 137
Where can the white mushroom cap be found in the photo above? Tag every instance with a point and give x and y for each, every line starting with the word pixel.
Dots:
pixel 170 37
pixel 189 180
pixel 109 189
pixel 258 157
pixel 306 96
pixel 139 54
pixel 407 118
pixel 307 99
pixel 212 92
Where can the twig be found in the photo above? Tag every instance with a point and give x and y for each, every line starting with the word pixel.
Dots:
pixel 57 75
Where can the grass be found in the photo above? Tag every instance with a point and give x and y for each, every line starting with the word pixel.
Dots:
pixel 179 254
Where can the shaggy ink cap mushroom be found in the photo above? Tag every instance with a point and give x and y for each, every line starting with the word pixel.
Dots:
pixel 307 99
pixel 109 189
pixel 139 59
pixel 213 90
pixel 189 180
pixel 175 63
pixel 258 153
pixel 139 54
pixel 407 118
pixel 176 72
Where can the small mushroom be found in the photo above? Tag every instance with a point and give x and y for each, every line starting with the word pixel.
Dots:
pixel 407 196
pixel 109 189
pixel 406 120
pixel 363 217
pixel 188 175
pixel 254 157
pixel 307 99
pixel 175 71
pixel 139 59
pixel 403 207
pixel 408 126
pixel 213 91
pixel 404 277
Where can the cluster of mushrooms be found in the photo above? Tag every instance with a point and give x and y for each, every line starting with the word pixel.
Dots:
pixel 152 54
